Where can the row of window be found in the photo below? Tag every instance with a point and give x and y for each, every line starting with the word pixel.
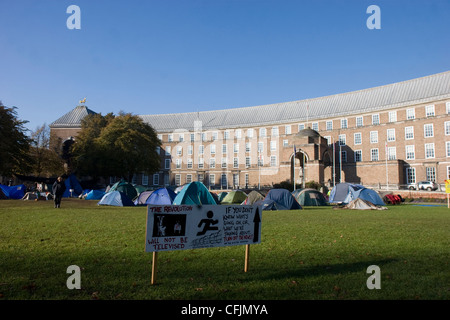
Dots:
pixel 213 148
pixel 329 125
pixel 392 153
pixel 430 174
pixel 428 132
pixel 212 179
pixel 223 164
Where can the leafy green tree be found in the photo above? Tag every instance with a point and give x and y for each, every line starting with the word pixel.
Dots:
pixel 47 161
pixel 116 146
pixel 14 143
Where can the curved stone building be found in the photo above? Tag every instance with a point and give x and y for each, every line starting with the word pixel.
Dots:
pixel 394 134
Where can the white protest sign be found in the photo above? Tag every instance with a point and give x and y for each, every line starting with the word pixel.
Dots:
pixel 180 227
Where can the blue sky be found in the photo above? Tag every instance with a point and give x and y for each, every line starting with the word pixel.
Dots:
pixel 151 57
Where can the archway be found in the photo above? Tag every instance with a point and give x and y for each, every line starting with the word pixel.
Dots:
pixel 298 165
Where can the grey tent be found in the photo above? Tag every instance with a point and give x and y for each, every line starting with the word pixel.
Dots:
pixel 360 204
pixel 310 197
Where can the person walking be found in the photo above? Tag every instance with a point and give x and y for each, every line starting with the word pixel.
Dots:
pixel 58 189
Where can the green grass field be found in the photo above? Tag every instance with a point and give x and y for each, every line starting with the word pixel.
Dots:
pixel 315 253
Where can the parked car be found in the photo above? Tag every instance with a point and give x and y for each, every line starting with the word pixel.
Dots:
pixel 412 186
pixel 427 185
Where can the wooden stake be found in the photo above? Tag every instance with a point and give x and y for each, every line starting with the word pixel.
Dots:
pixel 247 256
pixel 155 258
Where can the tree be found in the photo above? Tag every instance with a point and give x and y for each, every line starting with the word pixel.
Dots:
pixel 14 143
pixel 116 146
pixel 46 160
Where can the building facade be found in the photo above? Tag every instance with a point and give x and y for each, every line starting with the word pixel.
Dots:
pixel 395 134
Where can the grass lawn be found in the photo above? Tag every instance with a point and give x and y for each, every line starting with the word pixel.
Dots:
pixel 310 254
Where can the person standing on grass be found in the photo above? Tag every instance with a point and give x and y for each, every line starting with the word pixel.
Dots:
pixel 58 190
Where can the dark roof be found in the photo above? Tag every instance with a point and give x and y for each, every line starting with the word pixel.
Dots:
pixel 73 118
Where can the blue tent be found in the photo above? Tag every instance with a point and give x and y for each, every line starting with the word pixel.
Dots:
pixel 72 184
pixel 280 199
pixel 161 196
pixel 14 192
pixel 346 192
pixel 95 195
pixel 194 193
pixel 116 198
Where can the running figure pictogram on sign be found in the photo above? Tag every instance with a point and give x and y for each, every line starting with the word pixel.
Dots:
pixel 208 222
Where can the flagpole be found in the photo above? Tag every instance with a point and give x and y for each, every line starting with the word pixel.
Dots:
pixel 293 178
pixel 259 170
pixel 387 174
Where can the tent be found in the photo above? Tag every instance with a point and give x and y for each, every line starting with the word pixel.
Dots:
pixel 124 187
pixel 2 195
pixel 253 197
pixel 234 197
pixel 95 195
pixel 221 195
pixel 72 183
pixel 345 193
pixel 360 204
pixel 116 198
pixel 194 193
pixel 13 192
pixel 310 197
pixel 161 196
pixel 141 199
pixel 280 199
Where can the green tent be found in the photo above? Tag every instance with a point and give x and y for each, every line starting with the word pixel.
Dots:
pixel 234 197
pixel 310 197
pixel 253 197
pixel 194 193
pixel 124 187
pixel 222 195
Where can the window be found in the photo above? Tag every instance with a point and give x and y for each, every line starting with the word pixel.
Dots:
pixel 391 153
pixel 342 139
pixel 373 136
pixel 235 162
pixel 447 128
pixel 273 146
pixel 343 123
pixel 188 178
pixel 275 131
pixel 447 148
pixel 429 111
pixel 215 136
pixel 224 162
pixel 392 116
pixel 410 175
pixel 448 172
pixel 429 150
pixel 224 181
pixel 156 179
pixel 236 148
pixel 375 119
pixel 329 140
pixel 190 150
pixel 273 161
pixel 158 150
pixel 192 137
pixel 201 149
pixel 179 150
pixel 200 177
pixel 410 114
pixel 212 163
pixel 390 134
pixel 260 161
pixel 410 154
pixel 287 129
pixel 248 146
pixel 262 132
pixel 178 179
pixel 247 179
pixel 359 121
pixel 212 149
pixel 431 174
pixel 358 139
pixel 329 125
pixel 315 126
pixel 344 156
pixel 374 154
pixel 428 130
pixel 301 127
pixel 168 150
pixel 250 133
pixel 226 135
pixel 189 163
pixel 238 133
pixel 447 107
pixel 167 164
pixel 285 143
pixel 200 163
pixel 235 179
pixel 224 149
pixel 247 162
pixel 178 163
pixel 358 155
pixel 409 133
pixel 145 179
pixel 170 137
pixel 204 137
pixel 212 179
pixel 180 137
pixel 260 146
